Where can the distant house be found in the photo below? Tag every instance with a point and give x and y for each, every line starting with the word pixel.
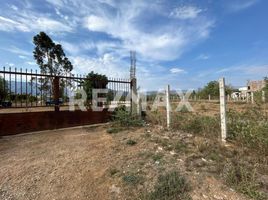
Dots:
pixel 254 86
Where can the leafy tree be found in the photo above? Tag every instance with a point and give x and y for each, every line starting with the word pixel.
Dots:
pixel 94 81
pixel 50 56
pixel 212 89
pixel 52 60
pixel 3 88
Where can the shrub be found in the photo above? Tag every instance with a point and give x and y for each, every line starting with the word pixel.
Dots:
pixel 113 130
pixel 113 171
pixel 170 186
pixel 197 124
pixel 131 142
pixel 157 157
pixel 243 179
pixel 250 128
pixel 132 179
pixel 124 118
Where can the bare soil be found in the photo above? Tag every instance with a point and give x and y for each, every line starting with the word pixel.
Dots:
pixel 89 163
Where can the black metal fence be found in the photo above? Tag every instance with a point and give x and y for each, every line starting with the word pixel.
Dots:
pixel 28 88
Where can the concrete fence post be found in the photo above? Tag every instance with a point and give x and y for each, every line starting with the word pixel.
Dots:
pixel 252 97
pixel 139 107
pixel 133 96
pixel 263 96
pixel 223 109
pixel 168 105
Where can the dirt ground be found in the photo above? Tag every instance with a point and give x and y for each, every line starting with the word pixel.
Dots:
pixel 89 163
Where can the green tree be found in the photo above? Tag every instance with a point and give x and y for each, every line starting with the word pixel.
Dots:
pixel 52 60
pixel 3 88
pixel 212 89
pixel 94 81
pixel 50 56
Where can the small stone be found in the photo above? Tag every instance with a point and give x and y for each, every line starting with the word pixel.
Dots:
pixel 115 189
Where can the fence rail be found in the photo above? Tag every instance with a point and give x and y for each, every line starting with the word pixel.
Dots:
pixel 28 88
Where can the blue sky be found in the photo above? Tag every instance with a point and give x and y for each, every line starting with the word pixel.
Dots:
pixel 181 43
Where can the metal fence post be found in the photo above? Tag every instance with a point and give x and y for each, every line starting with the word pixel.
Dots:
pixel 56 93
pixel 223 109
pixel 168 105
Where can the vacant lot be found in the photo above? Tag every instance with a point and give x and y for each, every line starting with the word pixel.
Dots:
pixel 89 163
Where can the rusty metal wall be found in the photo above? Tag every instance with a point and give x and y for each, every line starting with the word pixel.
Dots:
pixel 15 123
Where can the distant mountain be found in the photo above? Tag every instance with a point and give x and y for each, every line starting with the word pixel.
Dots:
pixel 21 87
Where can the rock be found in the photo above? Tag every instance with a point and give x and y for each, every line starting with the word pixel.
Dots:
pixel 218 197
pixel 115 189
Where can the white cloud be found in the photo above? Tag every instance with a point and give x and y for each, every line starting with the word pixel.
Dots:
pixel 203 57
pixel 259 70
pixel 22 57
pixel 30 63
pixel 186 12
pixel 238 5
pixel 168 42
pixel 14 7
pixel 56 2
pixel 256 69
pixel 46 24
pixel 31 21
pixel 176 70
pixel 10 64
pixel 18 51
pixel 7 24
pixel 71 48
pixel 95 23
pixel 106 64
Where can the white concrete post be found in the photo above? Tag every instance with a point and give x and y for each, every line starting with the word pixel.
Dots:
pixel 252 97
pixel 133 96
pixel 228 97
pixel 247 97
pixel 194 97
pixel 263 96
pixel 223 109
pixel 139 108
pixel 168 105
